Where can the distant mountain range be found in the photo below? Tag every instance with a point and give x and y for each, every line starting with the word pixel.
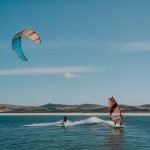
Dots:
pixel 60 108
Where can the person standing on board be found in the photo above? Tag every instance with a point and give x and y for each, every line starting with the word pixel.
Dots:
pixel 65 120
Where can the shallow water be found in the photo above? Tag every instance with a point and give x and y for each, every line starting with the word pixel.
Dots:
pixel 81 133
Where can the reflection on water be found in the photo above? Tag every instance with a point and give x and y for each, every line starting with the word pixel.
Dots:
pixel 114 140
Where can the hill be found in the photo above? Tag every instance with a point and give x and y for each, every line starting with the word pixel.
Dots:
pixel 60 108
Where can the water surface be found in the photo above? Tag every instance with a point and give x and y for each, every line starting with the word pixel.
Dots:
pixel 82 133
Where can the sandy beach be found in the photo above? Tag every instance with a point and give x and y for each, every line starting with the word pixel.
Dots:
pixel 70 114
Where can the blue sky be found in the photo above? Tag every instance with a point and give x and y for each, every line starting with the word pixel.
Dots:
pixel 90 51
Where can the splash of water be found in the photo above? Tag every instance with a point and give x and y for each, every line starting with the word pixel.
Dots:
pixel 88 121
pixel 91 120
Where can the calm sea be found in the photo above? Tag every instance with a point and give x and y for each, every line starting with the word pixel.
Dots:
pixel 81 133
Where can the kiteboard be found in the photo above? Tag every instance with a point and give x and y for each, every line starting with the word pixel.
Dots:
pixel 118 127
pixel 62 124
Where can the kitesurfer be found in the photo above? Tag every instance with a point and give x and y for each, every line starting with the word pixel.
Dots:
pixel 65 120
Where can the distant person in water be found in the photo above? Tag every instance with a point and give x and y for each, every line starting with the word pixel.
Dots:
pixel 65 120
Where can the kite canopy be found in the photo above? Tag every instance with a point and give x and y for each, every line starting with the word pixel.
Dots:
pixel 114 111
pixel 16 41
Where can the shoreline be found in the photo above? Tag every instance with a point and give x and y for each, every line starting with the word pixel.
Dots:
pixel 70 114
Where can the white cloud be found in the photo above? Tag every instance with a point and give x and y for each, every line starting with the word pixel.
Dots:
pixel 69 71
pixel 130 46
pixel 71 75
pixel 139 46
pixel 98 44
pixel 84 43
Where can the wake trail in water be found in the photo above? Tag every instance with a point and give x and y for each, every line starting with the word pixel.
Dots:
pixel 91 120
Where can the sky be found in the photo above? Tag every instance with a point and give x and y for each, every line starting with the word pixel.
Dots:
pixel 90 50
